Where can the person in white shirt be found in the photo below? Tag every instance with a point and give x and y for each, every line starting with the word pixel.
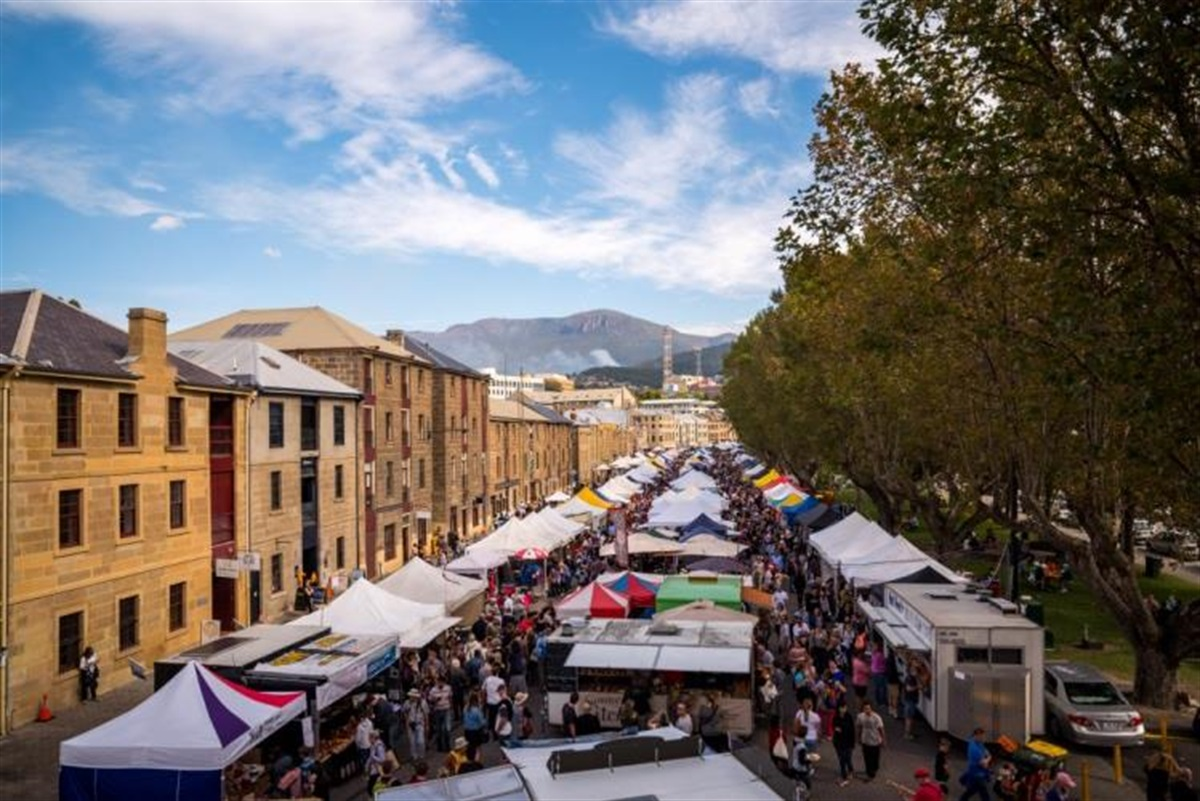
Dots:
pixel 683 719
pixel 491 698
pixel 362 739
pixel 808 725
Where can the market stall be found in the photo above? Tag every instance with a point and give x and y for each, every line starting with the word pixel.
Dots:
pixel 676 591
pixel 329 669
pixel 366 608
pixel 968 646
pixel 175 744
pixel 461 595
pixel 233 654
pixel 603 659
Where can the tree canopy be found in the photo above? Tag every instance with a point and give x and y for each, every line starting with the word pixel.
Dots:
pixel 991 288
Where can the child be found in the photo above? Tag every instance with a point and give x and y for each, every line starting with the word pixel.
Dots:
pixel 941 765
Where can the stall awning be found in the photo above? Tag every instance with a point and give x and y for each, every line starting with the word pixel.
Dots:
pixel 704 660
pixel 607 655
pixel 901 637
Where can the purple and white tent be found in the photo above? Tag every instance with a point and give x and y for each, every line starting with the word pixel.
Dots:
pixel 174 744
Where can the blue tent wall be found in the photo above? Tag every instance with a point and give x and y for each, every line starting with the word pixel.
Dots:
pixel 123 784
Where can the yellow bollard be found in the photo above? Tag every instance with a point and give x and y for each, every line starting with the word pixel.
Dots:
pixel 1085 780
pixel 1165 738
pixel 1118 766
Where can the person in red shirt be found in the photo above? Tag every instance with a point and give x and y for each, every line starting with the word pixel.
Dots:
pixel 927 788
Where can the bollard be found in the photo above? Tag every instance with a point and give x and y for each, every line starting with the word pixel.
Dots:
pixel 1118 766
pixel 1165 738
pixel 1085 780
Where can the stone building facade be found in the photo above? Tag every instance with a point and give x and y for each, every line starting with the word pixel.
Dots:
pixel 530 453
pixel 119 484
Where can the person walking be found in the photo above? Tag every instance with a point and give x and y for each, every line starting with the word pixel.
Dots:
pixel 927 789
pixel 89 674
pixel 979 768
pixel 475 721
pixel 441 698
pixel 843 740
pixel 416 720
pixel 872 738
pixel 910 697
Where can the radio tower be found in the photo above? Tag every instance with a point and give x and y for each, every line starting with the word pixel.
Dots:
pixel 668 367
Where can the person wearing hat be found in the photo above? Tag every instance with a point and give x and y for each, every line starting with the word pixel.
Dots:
pixel 1060 789
pixel 927 788
pixel 524 715
pixel 416 719
pixel 978 774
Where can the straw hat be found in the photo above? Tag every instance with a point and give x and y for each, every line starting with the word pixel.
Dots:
pixel 520 698
pixel 460 743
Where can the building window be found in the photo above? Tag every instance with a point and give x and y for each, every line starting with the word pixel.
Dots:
pixel 177 606
pixel 276 490
pixel 128 623
pixel 178 504
pixel 404 385
pixel 421 433
pixel 70 518
pixel 405 430
pixel 275 426
pixel 368 377
pixel 389 486
pixel 420 474
pixel 68 418
pixel 405 480
pixel 387 373
pixel 420 380
pixel 389 541
pixel 277 572
pixel 175 427
pixel 126 420
pixel 387 426
pixel 339 553
pixel 70 639
pixel 339 425
pixel 127 517
pixel 339 482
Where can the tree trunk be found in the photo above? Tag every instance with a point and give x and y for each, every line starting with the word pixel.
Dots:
pixel 1153 679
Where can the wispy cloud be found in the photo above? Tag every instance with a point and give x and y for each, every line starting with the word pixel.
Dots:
pixel 376 61
pixel 793 38
pixel 71 174
pixel 166 222
pixel 116 108
pixel 272 252
pixel 754 97
pixel 482 168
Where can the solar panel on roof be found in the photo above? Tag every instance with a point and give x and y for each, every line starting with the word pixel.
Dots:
pixel 255 330
pixel 214 647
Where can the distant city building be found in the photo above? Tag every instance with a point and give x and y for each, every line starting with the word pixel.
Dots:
pixel 600 436
pixel 680 423
pixel 608 397
pixel 501 386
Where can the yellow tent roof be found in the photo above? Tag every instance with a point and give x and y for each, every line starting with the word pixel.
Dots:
pixel 592 499
pixel 766 478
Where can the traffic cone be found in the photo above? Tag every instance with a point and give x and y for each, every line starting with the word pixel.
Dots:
pixel 44 714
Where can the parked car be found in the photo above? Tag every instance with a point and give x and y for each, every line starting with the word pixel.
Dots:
pixel 1177 544
pixel 1084 706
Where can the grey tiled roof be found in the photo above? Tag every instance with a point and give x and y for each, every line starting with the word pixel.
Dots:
pixel 69 340
pixel 440 359
pixel 252 364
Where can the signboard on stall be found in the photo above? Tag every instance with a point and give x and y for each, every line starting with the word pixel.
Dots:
pixel 622 538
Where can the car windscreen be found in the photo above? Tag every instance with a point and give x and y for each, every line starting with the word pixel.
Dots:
pixel 1092 693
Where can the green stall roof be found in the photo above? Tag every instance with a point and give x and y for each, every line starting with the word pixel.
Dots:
pixel 724 591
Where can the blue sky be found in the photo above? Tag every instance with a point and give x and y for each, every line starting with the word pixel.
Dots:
pixel 409 165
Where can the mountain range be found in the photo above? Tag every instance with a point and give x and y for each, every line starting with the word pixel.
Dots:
pixel 568 345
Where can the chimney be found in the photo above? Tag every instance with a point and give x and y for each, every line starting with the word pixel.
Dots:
pixel 395 335
pixel 148 335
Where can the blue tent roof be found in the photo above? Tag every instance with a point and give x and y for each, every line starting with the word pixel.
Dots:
pixel 703 524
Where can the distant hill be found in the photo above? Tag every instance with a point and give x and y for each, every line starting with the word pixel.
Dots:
pixel 599 338
pixel 649 374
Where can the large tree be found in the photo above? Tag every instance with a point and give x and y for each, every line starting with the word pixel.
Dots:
pixel 1002 242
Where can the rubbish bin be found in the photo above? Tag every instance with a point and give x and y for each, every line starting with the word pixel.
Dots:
pixel 1036 612
pixel 1154 565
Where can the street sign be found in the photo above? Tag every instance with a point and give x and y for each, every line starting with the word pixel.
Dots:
pixel 250 561
pixel 226 568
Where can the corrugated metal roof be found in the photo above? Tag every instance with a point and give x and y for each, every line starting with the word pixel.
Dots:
pixel 253 364
pixel 439 359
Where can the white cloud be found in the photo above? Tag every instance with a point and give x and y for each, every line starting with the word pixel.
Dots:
pixel 712 329
pixel 117 108
pixel 67 173
pixel 482 168
pixel 166 222
pixel 316 66
pixel 652 163
pixel 272 252
pixel 145 182
pixel 792 38
pixel 754 97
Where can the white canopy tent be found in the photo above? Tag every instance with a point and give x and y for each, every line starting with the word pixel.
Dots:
pixel 643 542
pixel 422 582
pixel 366 608
pixel 478 562
pixel 558 496
pixel 709 545
pixel 694 479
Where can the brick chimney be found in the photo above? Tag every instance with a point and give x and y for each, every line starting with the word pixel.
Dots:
pixel 148 335
pixel 395 335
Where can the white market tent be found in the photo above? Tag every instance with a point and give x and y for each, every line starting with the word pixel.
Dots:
pixel 852 536
pixel 694 479
pixel 675 509
pixel 478 562
pixel 366 608
pixel 422 582
pixel 578 507
pixel 558 496
pixel 709 545
pixel 644 473
pixel 713 777
pixel 867 555
pixel 619 488
pixel 643 542
pixel 174 744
